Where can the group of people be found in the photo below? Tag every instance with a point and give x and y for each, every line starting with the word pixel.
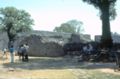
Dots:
pixel 87 48
pixel 22 52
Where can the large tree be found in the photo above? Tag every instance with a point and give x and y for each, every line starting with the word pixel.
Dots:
pixel 14 21
pixel 72 26
pixel 107 12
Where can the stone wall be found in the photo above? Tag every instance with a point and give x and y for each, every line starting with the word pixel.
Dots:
pixel 41 46
pixel 116 38
pixel 3 40
pixel 44 43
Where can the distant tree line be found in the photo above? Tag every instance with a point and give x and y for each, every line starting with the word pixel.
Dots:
pixel 72 26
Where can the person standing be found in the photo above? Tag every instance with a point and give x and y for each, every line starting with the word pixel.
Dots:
pixel 5 53
pixel 26 52
pixel 23 50
pixel 20 48
pixel 11 49
pixel 90 48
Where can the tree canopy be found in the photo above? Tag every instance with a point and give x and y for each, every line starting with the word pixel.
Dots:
pixel 100 3
pixel 14 21
pixel 72 26
pixel 107 11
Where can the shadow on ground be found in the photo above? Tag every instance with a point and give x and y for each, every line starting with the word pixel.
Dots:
pixel 37 63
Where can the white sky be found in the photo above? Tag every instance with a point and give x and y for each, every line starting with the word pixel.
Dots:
pixel 48 14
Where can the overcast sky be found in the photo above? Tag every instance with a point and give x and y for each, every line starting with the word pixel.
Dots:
pixel 48 14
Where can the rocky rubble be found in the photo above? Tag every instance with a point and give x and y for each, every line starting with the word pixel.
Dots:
pixel 43 46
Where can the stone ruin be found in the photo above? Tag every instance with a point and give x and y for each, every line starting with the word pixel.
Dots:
pixel 3 40
pixel 41 46
pixel 43 43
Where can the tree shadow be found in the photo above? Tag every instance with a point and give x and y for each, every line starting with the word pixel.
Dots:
pixel 57 63
pixel 99 65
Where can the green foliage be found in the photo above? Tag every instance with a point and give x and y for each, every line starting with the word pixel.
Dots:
pixel 72 26
pixel 107 12
pixel 14 21
pixel 99 3
pixel 65 28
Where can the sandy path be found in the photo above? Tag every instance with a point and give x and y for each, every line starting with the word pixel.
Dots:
pixel 49 68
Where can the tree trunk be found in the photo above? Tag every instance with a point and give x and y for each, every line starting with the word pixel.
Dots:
pixel 106 39
pixel 10 36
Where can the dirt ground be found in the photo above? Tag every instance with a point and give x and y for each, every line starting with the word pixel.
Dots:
pixel 51 68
